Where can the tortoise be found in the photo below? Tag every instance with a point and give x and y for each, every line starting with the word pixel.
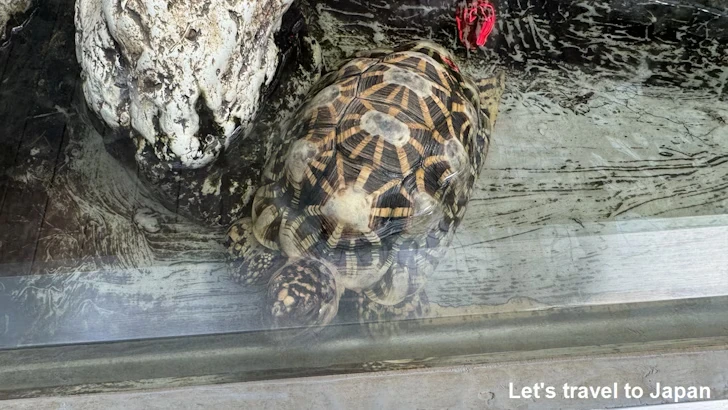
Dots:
pixel 369 189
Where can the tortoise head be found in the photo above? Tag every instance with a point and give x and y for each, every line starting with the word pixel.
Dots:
pixel 490 90
pixel 302 294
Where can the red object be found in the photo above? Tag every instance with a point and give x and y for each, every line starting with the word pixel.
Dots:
pixel 452 64
pixel 475 22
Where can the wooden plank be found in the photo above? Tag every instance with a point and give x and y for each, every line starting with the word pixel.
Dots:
pixel 101 217
pixel 172 282
pixel 94 241
pixel 93 196
pixel 23 82
pixel 26 194
pixel 562 184
pixel 13 117
pixel 38 94
pixel 5 51
pixel 567 266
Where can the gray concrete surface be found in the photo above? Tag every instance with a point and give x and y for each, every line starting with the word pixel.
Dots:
pixel 462 387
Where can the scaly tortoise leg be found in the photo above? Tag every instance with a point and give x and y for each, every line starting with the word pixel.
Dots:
pixel 382 321
pixel 250 262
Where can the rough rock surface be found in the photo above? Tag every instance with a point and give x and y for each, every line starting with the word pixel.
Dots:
pixel 181 76
pixel 269 68
pixel 8 10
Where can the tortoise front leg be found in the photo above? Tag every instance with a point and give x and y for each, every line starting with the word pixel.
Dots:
pixel 251 262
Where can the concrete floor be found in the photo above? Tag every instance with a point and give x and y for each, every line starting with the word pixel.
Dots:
pixel 466 387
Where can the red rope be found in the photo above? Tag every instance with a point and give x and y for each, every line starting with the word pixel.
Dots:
pixel 475 22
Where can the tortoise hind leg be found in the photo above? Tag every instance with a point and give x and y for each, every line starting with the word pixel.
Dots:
pixel 399 296
pixel 250 262
pixel 382 321
pixel 393 288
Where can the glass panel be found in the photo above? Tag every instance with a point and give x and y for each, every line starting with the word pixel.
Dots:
pixel 604 184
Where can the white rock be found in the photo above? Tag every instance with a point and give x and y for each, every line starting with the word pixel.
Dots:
pixel 9 8
pixel 147 63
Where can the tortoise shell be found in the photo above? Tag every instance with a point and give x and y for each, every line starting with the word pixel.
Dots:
pixel 380 165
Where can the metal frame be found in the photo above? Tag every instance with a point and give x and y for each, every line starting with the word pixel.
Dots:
pixel 183 361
